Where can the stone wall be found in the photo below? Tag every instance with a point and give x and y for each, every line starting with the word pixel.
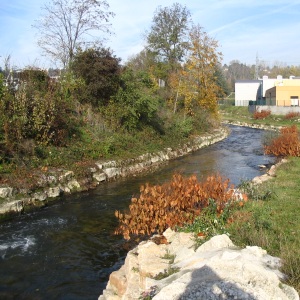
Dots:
pixel 275 110
pixel 55 183
pixel 171 268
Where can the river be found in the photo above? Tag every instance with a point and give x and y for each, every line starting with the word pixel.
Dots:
pixel 67 250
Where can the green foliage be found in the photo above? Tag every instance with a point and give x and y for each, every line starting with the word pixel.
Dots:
pixel 183 126
pixel 135 104
pixel 274 224
pixel 168 32
pixel 38 79
pixel 211 222
pixel 38 112
pixel 100 71
pixel 255 192
pixel 166 273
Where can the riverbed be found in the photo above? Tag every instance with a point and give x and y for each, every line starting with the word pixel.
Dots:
pixel 67 250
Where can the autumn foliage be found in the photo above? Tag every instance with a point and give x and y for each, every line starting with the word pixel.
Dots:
pixel 286 144
pixel 175 203
pixel 259 115
pixel 292 115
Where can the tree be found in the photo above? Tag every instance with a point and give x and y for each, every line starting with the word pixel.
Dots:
pixel 100 70
pixel 221 82
pixel 198 83
pixel 168 34
pixel 69 24
pixel 135 105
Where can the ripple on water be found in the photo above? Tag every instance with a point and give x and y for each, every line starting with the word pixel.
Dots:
pixel 18 245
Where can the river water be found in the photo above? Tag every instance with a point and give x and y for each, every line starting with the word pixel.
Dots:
pixel 67 250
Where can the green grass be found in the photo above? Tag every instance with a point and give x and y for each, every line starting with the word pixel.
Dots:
pixel 273 223
pixel 241 114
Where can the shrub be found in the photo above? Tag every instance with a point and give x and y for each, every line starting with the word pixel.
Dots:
pixel 172 204
pixel 286 144
pixel 261 115
pixel 291 115
pixel 100 70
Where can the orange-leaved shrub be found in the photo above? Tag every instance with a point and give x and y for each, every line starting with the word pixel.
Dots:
pixel 286 144
pixel 291 115
pixel 172 204
pixel 261 115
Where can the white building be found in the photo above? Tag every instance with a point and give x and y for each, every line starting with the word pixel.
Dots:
pixel 254 90
pixel 246 91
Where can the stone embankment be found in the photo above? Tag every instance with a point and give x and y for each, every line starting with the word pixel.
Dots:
pixel 55 183
pixel 252 125
pixel 171 268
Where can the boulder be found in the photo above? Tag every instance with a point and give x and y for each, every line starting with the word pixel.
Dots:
pixel 216 270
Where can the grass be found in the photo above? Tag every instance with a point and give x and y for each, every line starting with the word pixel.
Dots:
pixel 241 114
pixel 271 219
pixel 273 222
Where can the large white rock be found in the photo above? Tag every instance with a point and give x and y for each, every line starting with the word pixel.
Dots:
pixel 216 270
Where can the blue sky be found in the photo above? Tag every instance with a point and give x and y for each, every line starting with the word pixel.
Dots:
pixel 269 28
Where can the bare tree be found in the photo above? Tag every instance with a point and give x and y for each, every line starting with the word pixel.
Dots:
pixel 67 25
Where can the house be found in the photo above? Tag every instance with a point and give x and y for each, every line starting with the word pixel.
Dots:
pixel 284 93
pixel 268 91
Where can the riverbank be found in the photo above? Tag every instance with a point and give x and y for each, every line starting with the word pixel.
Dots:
pixel 271 220
pixel 166 267
pixel 51 184
pixel 170 267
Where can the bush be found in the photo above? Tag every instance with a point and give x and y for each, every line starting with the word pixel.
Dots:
pixel 100 70
pixel 135 104
pixel 291 115
pixel 261 115
pixel 286 144
pixel 172 204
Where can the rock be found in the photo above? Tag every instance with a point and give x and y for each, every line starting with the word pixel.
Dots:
pixel 216 270
pixel 54 192
pixel 73 185
pixel 40 196
pixel 6 192
pixel 112 172
pixel 101 171
pixel 67 176
pixel 99 176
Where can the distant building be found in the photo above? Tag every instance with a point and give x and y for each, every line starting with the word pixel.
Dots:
pixel 268 91
pixel 285 93
pixel 246 91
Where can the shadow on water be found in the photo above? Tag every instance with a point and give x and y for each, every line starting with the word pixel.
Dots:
pixel 68 250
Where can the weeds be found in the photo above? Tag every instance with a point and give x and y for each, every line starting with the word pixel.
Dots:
pixel 255 192
pixel 209 223
pixel 166 273
pixel 263 114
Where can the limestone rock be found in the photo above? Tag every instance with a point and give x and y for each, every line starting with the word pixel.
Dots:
pixel 216 270
pixel 112 172
pixel 54 192
pixel 6 192
pixel 99 176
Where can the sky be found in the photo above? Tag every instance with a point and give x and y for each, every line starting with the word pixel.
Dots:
pixel 267 29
